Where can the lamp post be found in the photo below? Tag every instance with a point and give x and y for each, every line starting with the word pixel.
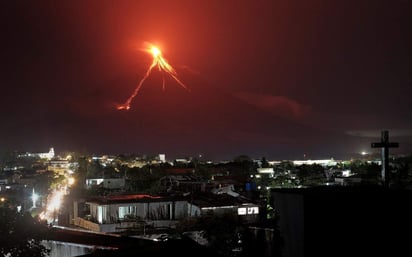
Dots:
pixel 34 198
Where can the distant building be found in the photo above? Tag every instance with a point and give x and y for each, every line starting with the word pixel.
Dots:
pixel 104 160
pixel 269 171
pixel 59 166
pixel 162 158
pixel 184 182
pixel 49 155
pixel 222 204
pixel 324 163
pixel 4 183
pixel 109 183
pixel 182 161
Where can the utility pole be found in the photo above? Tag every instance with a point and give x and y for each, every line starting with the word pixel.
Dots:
pixel 384 144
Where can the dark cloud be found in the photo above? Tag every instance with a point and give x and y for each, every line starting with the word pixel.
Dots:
pixel 282 106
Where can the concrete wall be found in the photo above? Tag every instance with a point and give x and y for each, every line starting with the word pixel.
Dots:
pixel 64 249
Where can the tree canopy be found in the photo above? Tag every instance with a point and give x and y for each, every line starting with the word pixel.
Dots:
pixel 20 234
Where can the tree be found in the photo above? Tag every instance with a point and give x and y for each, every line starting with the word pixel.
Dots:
pixel 230 237
pixel 265 163
pixel 222 232
pixel 369 172
pixel 20 234
pixel 243 165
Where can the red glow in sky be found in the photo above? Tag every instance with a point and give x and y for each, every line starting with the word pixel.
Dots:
pixel 266 78
pixel 162 65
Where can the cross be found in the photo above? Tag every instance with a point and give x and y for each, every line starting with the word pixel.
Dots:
pixel 385 145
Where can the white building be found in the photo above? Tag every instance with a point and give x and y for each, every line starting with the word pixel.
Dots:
pixel 109 183
pixel 324 163
pixel 49 155
pixel 118 213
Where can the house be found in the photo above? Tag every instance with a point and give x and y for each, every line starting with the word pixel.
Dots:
pixel 224 204
pixel 109 183
pixel 137 212
pixel 119 213
pixel 183 182
pixel 59 166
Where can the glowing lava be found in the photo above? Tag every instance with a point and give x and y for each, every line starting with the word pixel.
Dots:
pixel 163 66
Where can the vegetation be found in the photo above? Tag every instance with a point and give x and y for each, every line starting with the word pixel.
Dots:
pixel 230 237
pixel 20 234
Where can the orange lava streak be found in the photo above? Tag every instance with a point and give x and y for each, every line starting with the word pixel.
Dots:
pixel 162 65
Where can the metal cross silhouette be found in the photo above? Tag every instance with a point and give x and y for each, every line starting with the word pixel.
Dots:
pixel 385 145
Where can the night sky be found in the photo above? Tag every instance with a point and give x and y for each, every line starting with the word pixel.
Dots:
pixel 274 79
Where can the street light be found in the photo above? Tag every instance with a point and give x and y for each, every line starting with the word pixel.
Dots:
pixel 34 197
